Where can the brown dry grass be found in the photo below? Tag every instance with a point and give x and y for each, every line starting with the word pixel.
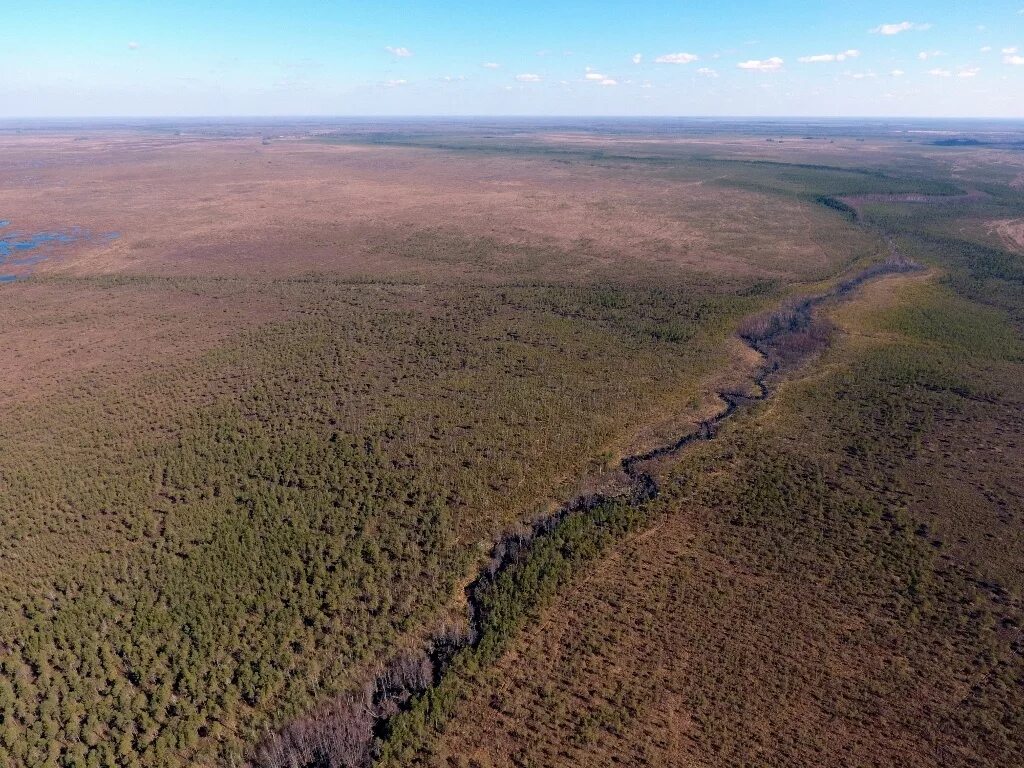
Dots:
pixel 576 673
pixel 704 404
pixel 611 675
pixel 235 206
pixel 192 209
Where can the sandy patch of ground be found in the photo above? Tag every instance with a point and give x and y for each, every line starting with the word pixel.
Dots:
pixel 1011 232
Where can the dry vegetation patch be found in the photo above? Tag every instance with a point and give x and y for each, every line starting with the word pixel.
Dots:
pixel 54 332
pixel 202 540
pixel 801 600
pixel 1011 232
pixel 257 441
pixel 236 206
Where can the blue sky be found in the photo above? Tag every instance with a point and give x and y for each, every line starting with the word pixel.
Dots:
pixel 310 57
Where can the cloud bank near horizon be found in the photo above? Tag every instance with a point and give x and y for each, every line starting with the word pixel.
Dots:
pixel 401 58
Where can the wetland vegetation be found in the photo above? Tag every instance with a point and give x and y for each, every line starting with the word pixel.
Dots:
pixel 247 480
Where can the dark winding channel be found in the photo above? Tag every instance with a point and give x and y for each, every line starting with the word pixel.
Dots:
pixel 344 732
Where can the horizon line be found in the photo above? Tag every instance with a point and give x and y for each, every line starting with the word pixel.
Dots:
pixel 504 116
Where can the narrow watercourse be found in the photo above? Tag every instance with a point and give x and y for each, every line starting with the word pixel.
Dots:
pixel 349 731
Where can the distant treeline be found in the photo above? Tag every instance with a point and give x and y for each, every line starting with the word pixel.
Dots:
pixel 837 205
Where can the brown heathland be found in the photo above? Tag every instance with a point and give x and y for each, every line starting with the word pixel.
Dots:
pixel 238 207
pixel 259 440
pixel 764 632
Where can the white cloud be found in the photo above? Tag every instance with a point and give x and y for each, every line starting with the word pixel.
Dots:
pixel 939 72
pixel 707 72
pixel 762 65
pixel 985 48
pixel 1016 61
pixel 490 65
pixel 594 76
pixel 863 75
pixel 637 58
pixel 133 46
pixel 529 78
pixel 395 83
pixel 676 58
pixel 925 55
pixel 1010 50
pixel 897 73
pixel 825 57
pixel 401 51
pixel 895 29
pixel 609 81
pixel 969 72
pixel 454 78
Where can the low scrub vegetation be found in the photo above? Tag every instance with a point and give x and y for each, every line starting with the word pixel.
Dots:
pixel 207 558
pixel 213 548
pixel 506 604
pixel 795 603
pixel 803 596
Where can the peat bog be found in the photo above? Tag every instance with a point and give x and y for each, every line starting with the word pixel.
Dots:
pixel 284 462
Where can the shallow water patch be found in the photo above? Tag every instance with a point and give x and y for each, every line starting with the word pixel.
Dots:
pixel 20 251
